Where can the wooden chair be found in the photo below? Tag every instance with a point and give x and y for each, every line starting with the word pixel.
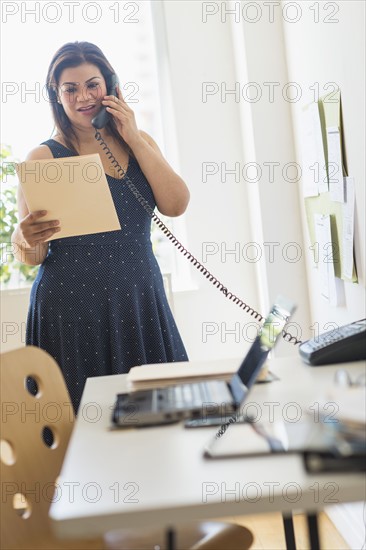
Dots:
pixel 36 423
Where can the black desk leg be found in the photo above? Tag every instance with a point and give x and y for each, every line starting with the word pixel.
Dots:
pixel 170 539
pixel 288 525
pixel 313 531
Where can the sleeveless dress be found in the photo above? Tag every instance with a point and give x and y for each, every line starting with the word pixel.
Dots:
pixel 98 303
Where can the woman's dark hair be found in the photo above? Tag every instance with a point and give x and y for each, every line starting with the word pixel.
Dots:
pixel 74 54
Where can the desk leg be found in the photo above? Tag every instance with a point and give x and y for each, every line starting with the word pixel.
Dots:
pixel 313 531
pixel 170 539
pixel 288 525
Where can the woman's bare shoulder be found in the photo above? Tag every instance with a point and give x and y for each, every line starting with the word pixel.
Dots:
pixel 40 152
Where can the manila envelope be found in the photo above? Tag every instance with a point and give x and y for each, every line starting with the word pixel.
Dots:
pixel 73 190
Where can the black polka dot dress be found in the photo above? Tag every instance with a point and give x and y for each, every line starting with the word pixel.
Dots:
pixel 98 303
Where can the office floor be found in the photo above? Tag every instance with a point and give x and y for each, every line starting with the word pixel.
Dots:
pixel 268 532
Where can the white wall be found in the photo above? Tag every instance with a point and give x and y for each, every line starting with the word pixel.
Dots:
pixel 335 52
pixel 268 141
pixel 225 129
pixel 218 213
pixel 232 50
pixel 322 53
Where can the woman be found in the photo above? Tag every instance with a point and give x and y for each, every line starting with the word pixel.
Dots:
pixel 98 304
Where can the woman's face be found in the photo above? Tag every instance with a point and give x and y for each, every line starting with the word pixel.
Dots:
pixel 81 91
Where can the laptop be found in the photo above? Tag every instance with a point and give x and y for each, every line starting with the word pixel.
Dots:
pixel 207 398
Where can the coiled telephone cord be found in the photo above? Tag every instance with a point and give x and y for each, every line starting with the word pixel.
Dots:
pixel 196 263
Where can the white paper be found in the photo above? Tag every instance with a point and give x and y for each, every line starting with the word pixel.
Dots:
pixel 335 168
pixel 314 174
pixel 348 227
pixel 331 288
pixel 337 294
pixel 321 237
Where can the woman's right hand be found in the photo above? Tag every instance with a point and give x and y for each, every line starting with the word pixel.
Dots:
pixel 35 231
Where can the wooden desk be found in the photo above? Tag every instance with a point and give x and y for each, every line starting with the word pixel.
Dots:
pixel 158 476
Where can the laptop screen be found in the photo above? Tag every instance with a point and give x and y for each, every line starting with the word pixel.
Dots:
pixel 265 341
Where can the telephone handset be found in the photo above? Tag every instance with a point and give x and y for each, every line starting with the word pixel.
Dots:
pixel 99 121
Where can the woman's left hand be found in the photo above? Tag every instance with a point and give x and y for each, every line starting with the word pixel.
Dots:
pixel 123 116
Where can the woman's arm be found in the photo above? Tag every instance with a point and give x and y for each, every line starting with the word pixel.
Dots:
pixel 28 236
pixel 170 191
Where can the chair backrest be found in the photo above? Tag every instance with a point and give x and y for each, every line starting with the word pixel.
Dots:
pixel 36 423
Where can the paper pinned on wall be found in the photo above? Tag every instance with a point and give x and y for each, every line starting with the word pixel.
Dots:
pixel 335 165
pixel 330 114
pixel 321 224
pixel 331 288
pixel 337 294
pixel 323 205
pixel 314 174
pixel 348 227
